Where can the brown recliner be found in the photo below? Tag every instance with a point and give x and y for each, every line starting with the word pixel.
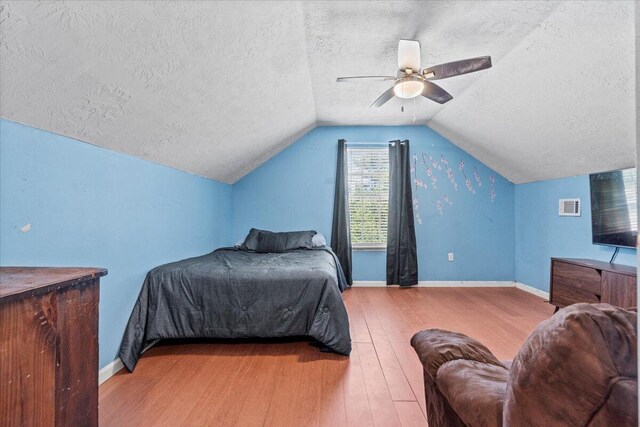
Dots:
pixel 577 368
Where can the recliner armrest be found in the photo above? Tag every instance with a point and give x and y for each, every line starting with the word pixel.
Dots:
pixel 435 347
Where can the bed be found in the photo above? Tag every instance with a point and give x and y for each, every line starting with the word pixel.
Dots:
pixel 240 293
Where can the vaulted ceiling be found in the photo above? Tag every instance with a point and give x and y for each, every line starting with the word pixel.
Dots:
pixel 217 88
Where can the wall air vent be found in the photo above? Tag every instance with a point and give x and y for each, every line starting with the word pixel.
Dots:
pixel 569 207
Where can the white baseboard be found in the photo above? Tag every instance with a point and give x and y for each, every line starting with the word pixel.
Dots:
pixel 369 284
pixel 458 284
pixel 109 370
pixel 440 284
pixel 532 290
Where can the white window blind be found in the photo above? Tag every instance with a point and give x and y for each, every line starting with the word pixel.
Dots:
pixel 368 196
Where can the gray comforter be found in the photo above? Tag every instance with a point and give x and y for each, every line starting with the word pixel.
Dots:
pixel 231 293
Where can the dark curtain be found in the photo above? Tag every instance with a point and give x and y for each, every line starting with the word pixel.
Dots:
pixel 402 262
pixel 341 230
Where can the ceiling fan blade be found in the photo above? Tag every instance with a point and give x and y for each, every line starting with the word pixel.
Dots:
pixel 436 93
pixel 457 68
pixel 409 55
pixel 382 99
pixel 374 78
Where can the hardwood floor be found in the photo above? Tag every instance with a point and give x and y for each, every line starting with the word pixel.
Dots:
pixel 292 383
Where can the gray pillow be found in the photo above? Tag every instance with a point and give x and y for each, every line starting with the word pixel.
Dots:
pixel 294 239
pixel 319 241
pixel 271 242
pixel 251 242
pixel 300 239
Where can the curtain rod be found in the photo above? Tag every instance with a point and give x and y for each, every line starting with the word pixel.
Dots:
pixel 373 143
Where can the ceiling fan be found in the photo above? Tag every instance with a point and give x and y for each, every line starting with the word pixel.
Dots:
pixel 410 82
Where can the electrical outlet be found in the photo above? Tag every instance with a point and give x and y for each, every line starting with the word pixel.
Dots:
pixel 450 256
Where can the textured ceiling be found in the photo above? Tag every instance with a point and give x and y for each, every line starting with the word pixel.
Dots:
pixel 561 103
pixel 217 88
pixel 213 88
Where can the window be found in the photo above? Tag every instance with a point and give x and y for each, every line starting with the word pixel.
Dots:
pixel 368 178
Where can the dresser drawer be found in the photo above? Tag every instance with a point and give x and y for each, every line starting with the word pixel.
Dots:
pixel 564 295
pixel 580 278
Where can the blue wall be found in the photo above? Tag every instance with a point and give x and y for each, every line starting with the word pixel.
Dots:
pixel 542 234
pixel 92 207
pixel 294 190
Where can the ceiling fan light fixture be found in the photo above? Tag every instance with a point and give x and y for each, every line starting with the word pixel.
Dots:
pixel 408 87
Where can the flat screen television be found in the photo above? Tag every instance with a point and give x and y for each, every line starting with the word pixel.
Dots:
pixel 614 208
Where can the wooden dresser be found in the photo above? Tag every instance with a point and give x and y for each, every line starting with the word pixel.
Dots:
pixel 49 346
pixel 585 280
